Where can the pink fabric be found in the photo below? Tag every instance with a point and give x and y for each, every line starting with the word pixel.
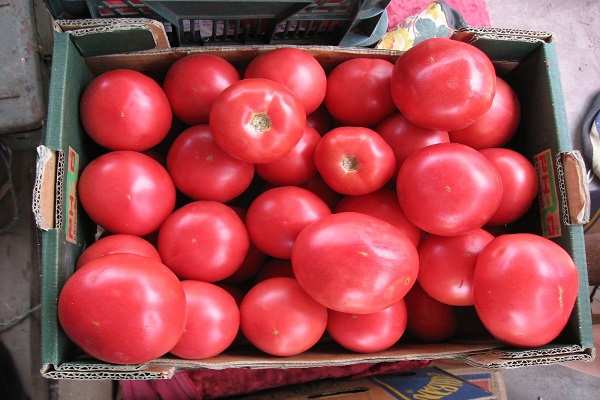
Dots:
pixel 474 12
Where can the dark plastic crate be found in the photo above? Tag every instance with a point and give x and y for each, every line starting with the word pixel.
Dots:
pixel 193 22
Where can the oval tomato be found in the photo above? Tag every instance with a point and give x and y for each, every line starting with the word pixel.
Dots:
pixel 279 318
pixel 123 308
pixel 428 319
pixel 358 91
pixel 296 70
pixel 525 287
pixel 203 240
pixel 126 192
pixel 497 126
pixel 368 333
pixel 203 171
pixel 193 83
pixel 519 181
pixel 354 160
pixel 212 324
pixel 448 189
pixel 443 84
pixel 125 110
pixel 257 120
pixel 115 244
pixel 354 263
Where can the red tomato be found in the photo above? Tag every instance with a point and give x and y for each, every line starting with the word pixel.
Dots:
pixel 351 262
pixel 203 240
pixel 296 167
pixel 443 84
pixel 446 265
pixel 193 83
pixel 525 287
pixel 519 180
pixel 123 308
pixel 274 268
pixel 212 324
pixel 448 189
pixel 125 110
pixel 497 126
pixel 126 192
pixel 382 204
pixel 404 137
pixel 318 186
pixel 354 160
pixel 203 171
pixel 368 333
pixel 276 217
pixel 279 318
pixel 320 120
pixel 257 120
pixel 296 70
pixel 115 244
pixel 358 91
pixel 428 319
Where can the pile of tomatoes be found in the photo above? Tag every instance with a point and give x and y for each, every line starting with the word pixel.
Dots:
pixel 295 203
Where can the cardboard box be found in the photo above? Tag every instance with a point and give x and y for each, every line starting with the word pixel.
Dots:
pixel 84 49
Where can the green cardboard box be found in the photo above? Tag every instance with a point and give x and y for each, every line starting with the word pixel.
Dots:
pixel 83 49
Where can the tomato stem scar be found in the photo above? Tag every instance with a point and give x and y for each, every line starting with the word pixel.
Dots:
pixel 260 122
pixel 350 164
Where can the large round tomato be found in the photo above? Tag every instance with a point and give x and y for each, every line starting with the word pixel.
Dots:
pixel 257 120
pixel 382 204
pixel 193 83
pixel 525 287
pixel 354 160
pixel 123 308
pixel 296 167
pixel 125 110
pixel 126 192
pixel 448 189
pixel 203 240
pixel 443 84
pixel 368 333
pixel 279 318
pixel 428 319
pixel 276 217
pixel 115 244
pixel 358 91
pixel 519 181
pixel 497 126
pixel 354 263
pixel 212 324
pixel 296 70
pixel 446 265
pixel 203 171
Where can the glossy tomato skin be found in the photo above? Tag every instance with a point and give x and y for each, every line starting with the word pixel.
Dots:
pixel 125 110
pixel 428 319
pixel 519 181
pixel 203 240
pixel 193 83
pixel 354 160
pixel 257 120
pixel 123 309
pixel 118 243
pixel 203 171
pixel 295 69
pixel 497 126
pixel 447 265
pixel 443 84
pixel 212 324
pixel 448 189
pixel 368 333
pixel 358 92
pixel 525 287
pixel 126 192
pixel 296 167
pixel 279 318
pixel 354 263
pixel 382 204
pixel 277 216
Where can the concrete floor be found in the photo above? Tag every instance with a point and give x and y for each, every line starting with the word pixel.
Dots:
pixel 575 25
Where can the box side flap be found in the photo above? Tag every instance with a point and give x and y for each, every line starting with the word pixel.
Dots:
pixel 496 359
pixel 576 187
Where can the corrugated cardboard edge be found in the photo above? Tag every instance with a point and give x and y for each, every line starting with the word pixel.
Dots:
pixel 47 189
pixel 471 33
pixel 108 372
pixel 497 359
pixel 574 187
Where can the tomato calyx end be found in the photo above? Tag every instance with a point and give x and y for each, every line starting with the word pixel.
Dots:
pixel 260 122
pixel 350 164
